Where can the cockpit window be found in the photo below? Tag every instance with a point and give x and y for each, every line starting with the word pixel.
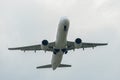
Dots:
pixel 65 28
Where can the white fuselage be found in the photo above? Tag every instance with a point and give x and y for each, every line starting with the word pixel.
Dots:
pixel 61 42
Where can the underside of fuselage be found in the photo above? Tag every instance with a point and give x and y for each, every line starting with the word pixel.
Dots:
pixel 60 43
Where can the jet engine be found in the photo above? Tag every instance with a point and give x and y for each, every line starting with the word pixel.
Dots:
pixel 44 45
pixel 78 43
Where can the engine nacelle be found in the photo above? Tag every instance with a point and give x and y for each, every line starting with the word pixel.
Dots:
pixel 78 43
pixel 44 45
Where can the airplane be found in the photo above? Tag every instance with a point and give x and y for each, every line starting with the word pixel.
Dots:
pixel 60 46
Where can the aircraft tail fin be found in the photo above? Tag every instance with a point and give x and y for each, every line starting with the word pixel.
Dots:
pixel 50 66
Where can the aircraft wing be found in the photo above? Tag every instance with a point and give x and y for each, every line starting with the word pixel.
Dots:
pixel 71 46
pixel 34 47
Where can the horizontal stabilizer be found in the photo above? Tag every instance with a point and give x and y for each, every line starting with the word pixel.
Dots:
pixel 50 66
pixel 44 66
pixel 64 65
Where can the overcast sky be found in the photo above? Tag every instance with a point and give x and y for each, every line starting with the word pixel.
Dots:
pixel 28 22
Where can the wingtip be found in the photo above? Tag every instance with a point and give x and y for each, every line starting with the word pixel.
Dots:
pixel 106 44
pixel 9 48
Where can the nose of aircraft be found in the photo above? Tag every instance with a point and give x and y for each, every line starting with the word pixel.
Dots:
pixel 64 20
